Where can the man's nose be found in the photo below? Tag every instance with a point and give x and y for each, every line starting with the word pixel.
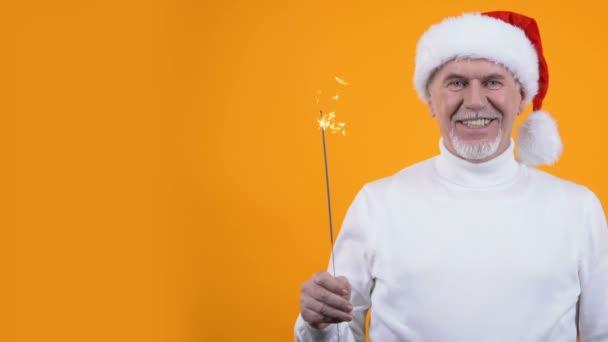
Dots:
pixel 475 97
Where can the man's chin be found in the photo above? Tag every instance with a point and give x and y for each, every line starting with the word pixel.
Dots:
pixel 475 149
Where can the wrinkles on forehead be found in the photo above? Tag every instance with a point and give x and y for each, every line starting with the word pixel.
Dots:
pixel 442 66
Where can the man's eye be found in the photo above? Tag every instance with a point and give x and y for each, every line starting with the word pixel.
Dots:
pixel 456 84
pixel 493 84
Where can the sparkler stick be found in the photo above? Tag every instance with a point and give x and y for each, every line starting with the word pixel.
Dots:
pixel 331 227
pixel 327 122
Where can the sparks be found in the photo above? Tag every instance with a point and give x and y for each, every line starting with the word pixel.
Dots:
pixel 327 122
pixel 341 81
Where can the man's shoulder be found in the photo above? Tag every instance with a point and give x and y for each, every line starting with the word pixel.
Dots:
pixel 552 183
pixel 408 177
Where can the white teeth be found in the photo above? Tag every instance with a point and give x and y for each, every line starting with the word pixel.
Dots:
pixel 476 123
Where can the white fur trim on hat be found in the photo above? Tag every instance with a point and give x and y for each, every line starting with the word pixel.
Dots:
pixel 476 36
pixel 538 141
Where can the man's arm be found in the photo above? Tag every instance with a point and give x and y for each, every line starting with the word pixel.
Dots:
pixel 354 256
pixel 593 301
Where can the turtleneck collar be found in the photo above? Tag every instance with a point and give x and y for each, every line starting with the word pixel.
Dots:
pixel 500 170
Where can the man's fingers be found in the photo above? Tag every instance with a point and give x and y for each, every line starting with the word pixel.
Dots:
pixel 332 314
pixel 346 284
pixel 325 299
pixel 331 299
pixel 315 318
pixel 332 284
pixel 318 312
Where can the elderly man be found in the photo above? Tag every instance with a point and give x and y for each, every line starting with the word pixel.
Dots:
pixel 473 244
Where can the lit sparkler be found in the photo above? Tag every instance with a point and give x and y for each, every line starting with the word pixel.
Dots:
pixel 327 122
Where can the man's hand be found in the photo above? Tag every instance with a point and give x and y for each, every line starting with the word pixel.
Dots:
pixel 325 299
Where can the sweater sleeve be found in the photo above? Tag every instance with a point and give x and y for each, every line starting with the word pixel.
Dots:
pixel 354 257
pixel 593 273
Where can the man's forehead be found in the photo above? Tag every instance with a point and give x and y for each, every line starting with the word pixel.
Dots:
pixel 469 67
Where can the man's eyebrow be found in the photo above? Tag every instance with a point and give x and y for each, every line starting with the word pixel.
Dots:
pixel 453 76
pixel 494 76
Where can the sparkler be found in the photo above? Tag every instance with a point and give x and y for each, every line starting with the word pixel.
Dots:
pixel 327 123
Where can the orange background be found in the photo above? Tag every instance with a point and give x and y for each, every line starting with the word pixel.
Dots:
pixel 165 172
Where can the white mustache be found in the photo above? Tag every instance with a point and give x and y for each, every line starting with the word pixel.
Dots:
pixel 475 115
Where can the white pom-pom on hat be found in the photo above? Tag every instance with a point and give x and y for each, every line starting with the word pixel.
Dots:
pixel 538 140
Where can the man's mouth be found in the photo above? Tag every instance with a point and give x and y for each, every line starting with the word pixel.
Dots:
pixel 476 123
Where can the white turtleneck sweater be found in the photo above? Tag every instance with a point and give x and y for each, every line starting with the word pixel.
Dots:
pixel 451 251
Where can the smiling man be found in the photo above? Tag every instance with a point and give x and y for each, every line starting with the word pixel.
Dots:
pixel 475 102
pixel 473 244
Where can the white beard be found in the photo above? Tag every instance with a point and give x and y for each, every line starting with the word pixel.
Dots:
pixel 475 151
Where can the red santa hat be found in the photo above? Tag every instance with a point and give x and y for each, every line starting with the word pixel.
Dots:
pixel 506 38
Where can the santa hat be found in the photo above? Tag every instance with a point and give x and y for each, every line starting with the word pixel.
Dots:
pixel 506 38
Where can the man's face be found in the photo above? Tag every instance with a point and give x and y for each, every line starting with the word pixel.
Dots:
pixel 475 102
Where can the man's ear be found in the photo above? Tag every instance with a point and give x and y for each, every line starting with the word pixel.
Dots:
pixel 522 103
pixel 431 110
